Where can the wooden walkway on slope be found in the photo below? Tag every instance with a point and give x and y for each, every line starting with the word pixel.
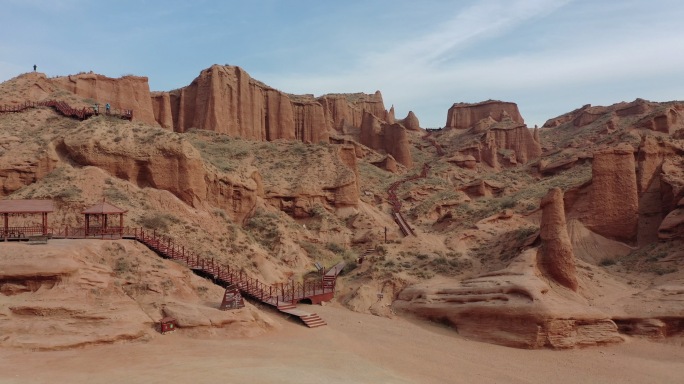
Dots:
pixel 68 111
pixel 284 297
pixel 396 203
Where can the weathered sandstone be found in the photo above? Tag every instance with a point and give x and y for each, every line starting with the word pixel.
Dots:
pixel 171 165
pixel 465 115
pixel 390 138
pixel 346 110
pixel 556 259
pixel 227 100
pixel 614 198
pixel 411 122
pixel 512 307
pixel 127 92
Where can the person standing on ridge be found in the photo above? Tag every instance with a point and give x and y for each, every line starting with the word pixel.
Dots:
pixel 34 67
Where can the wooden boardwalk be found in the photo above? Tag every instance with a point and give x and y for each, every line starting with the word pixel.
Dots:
pixel 283 297
pixel 68 111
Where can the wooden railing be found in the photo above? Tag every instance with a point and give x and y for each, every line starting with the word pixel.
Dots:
pixel 21 232
pixel 225 275
pixel 66 110
pixel 396 203
pixel 221 273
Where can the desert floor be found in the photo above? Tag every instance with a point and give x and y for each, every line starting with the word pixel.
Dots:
pixel 353 348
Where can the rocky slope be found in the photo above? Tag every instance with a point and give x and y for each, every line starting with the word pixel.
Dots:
pixel 274 183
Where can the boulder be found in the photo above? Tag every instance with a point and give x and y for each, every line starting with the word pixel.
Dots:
pixel 672 226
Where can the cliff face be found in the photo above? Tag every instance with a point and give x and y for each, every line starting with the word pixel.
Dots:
pixel 390 138
pixel 347 110
pixel 128 92
pixel 659 117
pixel 171 165
pixel 614 198
pixel 510 146
pixel 227 100
pixel 465 115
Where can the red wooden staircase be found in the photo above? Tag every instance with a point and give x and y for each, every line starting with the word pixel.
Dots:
pixel 66 110
pixel 396 203
pixel 284 297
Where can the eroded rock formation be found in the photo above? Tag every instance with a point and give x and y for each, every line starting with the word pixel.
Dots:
pixel 390 138
pixel 171 165
pixel 346 110
pixel 331 182
pixel 227 100
pixel 411 122
pixel 127 92
pixel 614 197
pixel 466 115
pixel 555 257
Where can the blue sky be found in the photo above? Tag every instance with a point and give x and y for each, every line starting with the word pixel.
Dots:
pixel 549 56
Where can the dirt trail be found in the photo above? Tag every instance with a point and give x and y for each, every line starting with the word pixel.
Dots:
pixel 353 348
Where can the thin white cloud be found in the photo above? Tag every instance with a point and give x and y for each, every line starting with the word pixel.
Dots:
pixel 484 19
pixel 423 70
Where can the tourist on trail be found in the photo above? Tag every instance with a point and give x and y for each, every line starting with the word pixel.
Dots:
pixel 96 108
pixel 34 67
pixel 107 106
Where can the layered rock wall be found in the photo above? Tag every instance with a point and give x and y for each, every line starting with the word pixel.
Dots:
pixel 227 100
pixel 555 257
pixel 390 138
pixel 465 115
pixel 174 166
pixel 614 198
pixel 345 111
pixel 128 92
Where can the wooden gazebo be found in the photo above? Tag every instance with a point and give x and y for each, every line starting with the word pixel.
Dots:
pixel 99 213
pixel 25 207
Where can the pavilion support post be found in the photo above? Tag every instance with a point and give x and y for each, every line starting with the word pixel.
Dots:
pixel 120 224
pixel 44 223
pixel 5 232
pixel 87 225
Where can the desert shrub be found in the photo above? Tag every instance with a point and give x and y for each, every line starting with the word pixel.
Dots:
pixel 158 221
pixel 264 227
pixel 311 249
pixel 335 248
pixel 113 193
pixel 607 262
pixel 122 266
pixel 523 233
pixel 69 193
pixel 450 266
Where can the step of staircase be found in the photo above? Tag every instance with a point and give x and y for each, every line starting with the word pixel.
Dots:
pixel 286 306
pixel 311 320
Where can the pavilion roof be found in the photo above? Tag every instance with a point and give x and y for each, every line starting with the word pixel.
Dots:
pixel 103 208
pixel 26 206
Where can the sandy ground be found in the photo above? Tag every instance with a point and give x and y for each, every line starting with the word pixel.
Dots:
pixel 353 348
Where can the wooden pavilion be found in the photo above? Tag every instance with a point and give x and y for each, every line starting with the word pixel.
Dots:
pixel 25 207
pixel 97 221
